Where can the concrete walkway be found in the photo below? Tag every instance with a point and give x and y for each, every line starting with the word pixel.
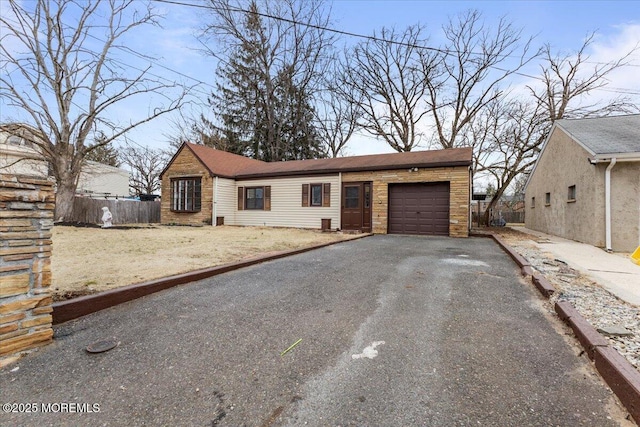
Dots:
pixel 614 272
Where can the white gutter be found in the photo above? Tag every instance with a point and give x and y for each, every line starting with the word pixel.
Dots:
pixel 214 220
pixel 607 203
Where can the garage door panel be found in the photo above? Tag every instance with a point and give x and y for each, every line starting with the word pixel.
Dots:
pixel 419 208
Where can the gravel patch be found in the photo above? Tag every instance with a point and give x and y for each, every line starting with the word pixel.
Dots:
pixel 597 305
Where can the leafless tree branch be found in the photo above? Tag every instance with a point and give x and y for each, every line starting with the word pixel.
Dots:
pixel 387 79
pixel 68 88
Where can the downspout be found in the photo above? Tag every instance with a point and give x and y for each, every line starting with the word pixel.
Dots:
pixel 214 220
pixel 340 201
pixel 470 219
pixel 607 203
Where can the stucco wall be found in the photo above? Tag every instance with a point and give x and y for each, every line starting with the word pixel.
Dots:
pixel 458 177
pixel 564 163
pixel 625 206
pixel 187 165
pixel 286 204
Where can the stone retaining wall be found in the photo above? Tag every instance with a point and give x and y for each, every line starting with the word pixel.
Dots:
pixel 26 219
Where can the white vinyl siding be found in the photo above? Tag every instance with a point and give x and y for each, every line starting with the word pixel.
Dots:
pixel 103 179
pixel 226 206
pixel 286 204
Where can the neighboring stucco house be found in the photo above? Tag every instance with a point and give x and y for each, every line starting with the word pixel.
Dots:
pixel 423 192
pixel 585 185
pixel 19 156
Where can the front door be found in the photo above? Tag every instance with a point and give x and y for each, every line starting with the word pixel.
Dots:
pixel 356 206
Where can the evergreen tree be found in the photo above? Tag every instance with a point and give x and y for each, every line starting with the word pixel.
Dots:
pixel 263 98
pixel 105 154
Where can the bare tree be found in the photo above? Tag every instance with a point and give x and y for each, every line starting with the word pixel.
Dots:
pixel 146 165
pixel 508 135
pixel 386 77
pixel 336 115
pixel 60 71
pixel 564 80
pixel 472 66
pixel 337 120
pixel 513 135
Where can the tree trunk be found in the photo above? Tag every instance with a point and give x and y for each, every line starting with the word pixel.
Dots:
pixel 487 211
pixel 493 202
pixel 65 195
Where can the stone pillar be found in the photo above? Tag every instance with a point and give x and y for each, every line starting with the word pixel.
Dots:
pixel 26 219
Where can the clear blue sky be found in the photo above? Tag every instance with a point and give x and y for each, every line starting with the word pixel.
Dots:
pixel 563 24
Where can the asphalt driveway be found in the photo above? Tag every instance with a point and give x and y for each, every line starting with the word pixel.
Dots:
pixel 396 331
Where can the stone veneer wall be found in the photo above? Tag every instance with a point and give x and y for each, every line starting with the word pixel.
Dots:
pixel 26 219
pixel 186 164
pixel 458 178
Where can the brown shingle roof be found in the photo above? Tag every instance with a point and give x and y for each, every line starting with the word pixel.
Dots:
pixel 234 166
pixel 222 163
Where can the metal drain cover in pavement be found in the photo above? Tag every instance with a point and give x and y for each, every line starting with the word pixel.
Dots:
pixel 102 346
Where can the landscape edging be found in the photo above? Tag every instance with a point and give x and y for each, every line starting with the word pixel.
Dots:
pixel 619 374
pixel 522 262
pixel 64 311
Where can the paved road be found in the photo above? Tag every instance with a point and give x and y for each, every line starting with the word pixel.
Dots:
pixel 460 340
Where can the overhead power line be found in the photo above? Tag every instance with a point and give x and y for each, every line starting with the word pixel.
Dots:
pixel 346 33
pixel 316 27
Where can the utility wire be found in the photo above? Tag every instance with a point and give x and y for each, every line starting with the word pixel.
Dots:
pixel 378 39
pixel 343 32
pixel 316 27
pixel 333 30
pixel 347 33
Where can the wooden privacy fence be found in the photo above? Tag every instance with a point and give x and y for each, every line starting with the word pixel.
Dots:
pixel 124 211
pixel 511 217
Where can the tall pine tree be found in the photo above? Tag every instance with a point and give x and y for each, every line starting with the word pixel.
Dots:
pixel 264 98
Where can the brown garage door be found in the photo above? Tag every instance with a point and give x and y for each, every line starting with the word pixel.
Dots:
pixel 419 208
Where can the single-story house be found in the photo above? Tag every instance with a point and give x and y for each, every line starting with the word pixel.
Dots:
pixel 585 185
pixel 19 156
pixel 420 192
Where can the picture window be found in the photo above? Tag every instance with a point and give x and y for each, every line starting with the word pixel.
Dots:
pixel 186 194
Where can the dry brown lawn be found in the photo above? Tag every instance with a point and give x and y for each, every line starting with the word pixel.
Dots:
pixel 89 260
